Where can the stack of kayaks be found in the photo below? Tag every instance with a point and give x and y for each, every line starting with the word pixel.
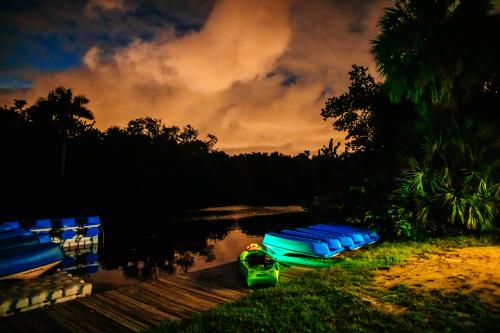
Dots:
pixel 30 248
pixel 318 241
pixel 258 267
pixel 24 255
pixel 69 232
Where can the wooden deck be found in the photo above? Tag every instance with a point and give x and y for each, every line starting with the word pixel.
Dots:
pixel 141 306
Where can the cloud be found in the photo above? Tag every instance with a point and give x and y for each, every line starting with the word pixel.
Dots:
pixel 232 77
pixel 232 47
pixel 240 42
pixel 106 5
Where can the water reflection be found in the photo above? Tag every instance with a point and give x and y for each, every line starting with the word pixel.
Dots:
pixel 134 250
pixel 81 259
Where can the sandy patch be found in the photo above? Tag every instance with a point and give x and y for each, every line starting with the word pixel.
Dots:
pixel 466 270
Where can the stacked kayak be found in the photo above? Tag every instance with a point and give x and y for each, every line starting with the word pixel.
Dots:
pixel 258 267
pixel 30 248
pixel 69 232
pixel 282 244
pixel 322 241
pixel 24 255
pixel 369 236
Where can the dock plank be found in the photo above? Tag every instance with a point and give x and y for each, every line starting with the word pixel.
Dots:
pixel 113 313
pixel 172 311
pixel 221 295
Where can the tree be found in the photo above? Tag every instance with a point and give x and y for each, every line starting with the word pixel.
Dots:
pixel 376 130
pixel 438 54
pixel 149 127
pixel 11 118
pixel 62 114
pixel 364 112
pixel 353 111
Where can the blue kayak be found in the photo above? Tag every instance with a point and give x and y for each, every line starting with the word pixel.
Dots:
pixel 332 242
pixel 14 233
pixel 282 245
pixel 4 226
pixel 40 225
pixel 12 242
pixel 372 234
pixel 92 222
pixel 26 262
pixel 343 228
pixel 68 223
pixel 356 237
pixel 345 241
pixel 18 241
pixel 91 232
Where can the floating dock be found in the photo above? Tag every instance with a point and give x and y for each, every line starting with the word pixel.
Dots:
pixel 32 294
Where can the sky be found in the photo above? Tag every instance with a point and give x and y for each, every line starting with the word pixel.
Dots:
pixel 254 73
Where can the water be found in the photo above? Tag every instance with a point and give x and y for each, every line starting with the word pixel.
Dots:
pixel 138 250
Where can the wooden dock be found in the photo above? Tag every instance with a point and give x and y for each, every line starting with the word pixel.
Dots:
pixel 141 306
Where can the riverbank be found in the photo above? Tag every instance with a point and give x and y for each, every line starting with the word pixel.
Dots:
pixel 371 290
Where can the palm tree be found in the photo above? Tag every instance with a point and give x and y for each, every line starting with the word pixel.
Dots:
pixel 64 114
pixel 437 53
pixel 454 181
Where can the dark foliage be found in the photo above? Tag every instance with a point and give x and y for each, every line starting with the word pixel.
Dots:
pixel 55 162
pixel 376 132
pixel 438 54
pixel 443 58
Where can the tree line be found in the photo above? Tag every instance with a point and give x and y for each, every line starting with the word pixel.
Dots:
pixel 55 161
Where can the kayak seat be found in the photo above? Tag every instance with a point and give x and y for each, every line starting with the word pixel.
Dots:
pixel 259 259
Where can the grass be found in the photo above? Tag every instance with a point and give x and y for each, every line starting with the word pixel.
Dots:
pixel 344 297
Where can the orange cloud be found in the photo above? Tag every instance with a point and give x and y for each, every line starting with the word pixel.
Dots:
pixel 108 5
pixel 227 78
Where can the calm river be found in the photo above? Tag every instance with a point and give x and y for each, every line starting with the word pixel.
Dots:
pixel 130 251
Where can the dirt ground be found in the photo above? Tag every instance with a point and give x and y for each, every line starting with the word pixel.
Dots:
pixel 467 270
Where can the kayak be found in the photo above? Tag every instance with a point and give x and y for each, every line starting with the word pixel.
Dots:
pixel 14 233
pixel 345 240
pixel 333 243
pixel 26 262
pixel 356 236
pixel 282 245
pixel 18 241
pixel 372 235
pixel 4 226
pixel 61 224
pixel 258 267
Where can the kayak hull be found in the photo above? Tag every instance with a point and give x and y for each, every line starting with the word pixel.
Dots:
pixel 356 237
pixel 283 244
pixel 332 242
pixel 345 240
pixel 30 273
pixel 370 235
pixel 27 262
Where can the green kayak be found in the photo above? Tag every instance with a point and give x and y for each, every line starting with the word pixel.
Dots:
pixel 258 267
